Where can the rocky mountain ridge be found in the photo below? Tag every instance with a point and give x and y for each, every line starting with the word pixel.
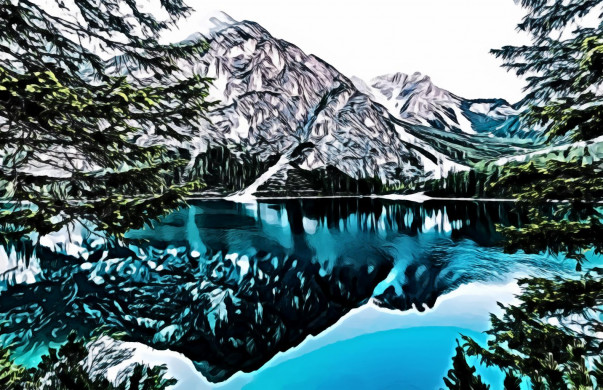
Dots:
pixel 275 100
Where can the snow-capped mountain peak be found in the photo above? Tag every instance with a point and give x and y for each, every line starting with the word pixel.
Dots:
pixel 276 100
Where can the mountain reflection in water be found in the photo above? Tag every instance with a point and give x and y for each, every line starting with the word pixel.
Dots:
pixel 229 285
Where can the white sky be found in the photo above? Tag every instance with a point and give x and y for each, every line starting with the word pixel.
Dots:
pixel 448 40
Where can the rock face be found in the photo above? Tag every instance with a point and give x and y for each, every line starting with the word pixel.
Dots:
pixel 276 100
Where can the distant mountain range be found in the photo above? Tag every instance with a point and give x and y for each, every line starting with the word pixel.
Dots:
pixel 316 125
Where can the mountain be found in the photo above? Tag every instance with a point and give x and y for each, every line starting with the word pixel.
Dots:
pixel 416 100
pixel 318 126
pixel 288 123
pixel 274 98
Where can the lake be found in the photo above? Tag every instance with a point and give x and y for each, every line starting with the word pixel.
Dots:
pixel 292 294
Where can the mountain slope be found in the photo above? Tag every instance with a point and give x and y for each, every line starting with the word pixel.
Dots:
pixel 416 100
pixel 273 98
pixel 276 102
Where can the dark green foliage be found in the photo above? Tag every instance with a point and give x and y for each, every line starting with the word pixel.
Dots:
pixel 552 337
pixel 70 121
pixel 560 199
pixel 577 184
pixel 10 373
pixel 573 239
pixel 332 181
pixel 561 69
pixel 462 376
pixel 63 370
pixel 229 169
pixel 465 184
pixel 512 382
pixel 575 226
pixel 327 181
pixel 146 378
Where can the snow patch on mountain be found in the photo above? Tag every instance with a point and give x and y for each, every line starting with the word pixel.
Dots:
pixel 247 194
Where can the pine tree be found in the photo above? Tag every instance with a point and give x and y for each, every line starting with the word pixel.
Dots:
pixel 552 354
pixel 10 374
pixel 83 87
pixel 63 369
pixel 462 375
pixel 553 336
pixel 564 68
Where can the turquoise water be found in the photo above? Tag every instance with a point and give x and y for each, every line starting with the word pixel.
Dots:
pixel 352 293
pixel 412 358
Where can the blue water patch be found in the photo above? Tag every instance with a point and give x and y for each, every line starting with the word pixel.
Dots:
pixel 256 294
pixel 411 358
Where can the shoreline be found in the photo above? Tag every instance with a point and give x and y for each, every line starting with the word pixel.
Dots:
pixel 417 198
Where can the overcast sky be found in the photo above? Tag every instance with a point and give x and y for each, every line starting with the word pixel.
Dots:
pixel 448 40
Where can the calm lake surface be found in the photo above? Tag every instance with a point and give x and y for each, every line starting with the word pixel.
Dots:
pixel 291 294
